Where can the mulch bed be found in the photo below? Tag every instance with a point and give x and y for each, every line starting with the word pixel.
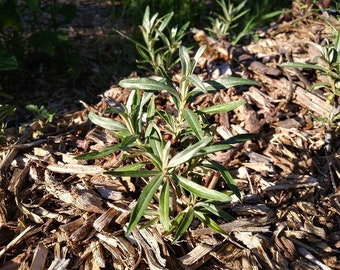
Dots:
pixel 60 213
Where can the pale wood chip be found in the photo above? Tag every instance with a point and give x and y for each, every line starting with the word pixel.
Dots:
pixel 16 240
pixel 151 257
pixel 75 169
pixel 39 257
pixel 294 183
pixel 98 254
pixel 196 257
pixel 103 221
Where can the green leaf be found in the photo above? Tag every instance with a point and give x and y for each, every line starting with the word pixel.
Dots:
pixel 128 140
pixel 189 152
pixel 225 174
pixel 185 61
pixel 140 173
pixel 239 138
pixel 214 149
pixel 143 201
pixel 131 167
pixel 7 61
pixel 193 122
pixel 217 211
pixel 210 222
pixel 303 65
pixel 225 83
pixel 164 206
pixel 198 83
pixel 185 223
pixel 99 154
pixel 107 123
pixel 202 191
pixel 145 84
pixel 222 108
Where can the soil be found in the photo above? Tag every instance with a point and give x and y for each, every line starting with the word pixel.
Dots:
pixel 60 213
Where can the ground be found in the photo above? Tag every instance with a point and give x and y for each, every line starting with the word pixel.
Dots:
pixel 58 212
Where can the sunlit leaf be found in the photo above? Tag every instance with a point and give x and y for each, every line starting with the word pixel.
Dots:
pixel 214 149
pixel 99 154
pixel 226 83
pixel 222 108
pixel 164 206
pixel 140 173
pixel 239 138
pixel 189 152
pixel 193 122
pixel 210 222
pixel 202 191
pixel 143 201
pixel 185 224
pixel 145 84
pixel 107 123
pixel 131 167
pixel 225 174
pixel 217 211
pixel 303 65
pixel 198 83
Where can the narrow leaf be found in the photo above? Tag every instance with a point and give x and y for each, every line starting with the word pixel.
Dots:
pixel 225 83
pixel 226 176
pixel 189 152
pixel 193 122
pixel 214 149
pixel 164 206
pixel 222 108
pixel 131 167
pixel 210 222
pixel 141 173
pixel 198 83
pixel 184 225
pixel 217 211
pixel 145 84
pixel 107 123
pixel 202 191
pixel 303 65
pixel 99 154
pixel 143 201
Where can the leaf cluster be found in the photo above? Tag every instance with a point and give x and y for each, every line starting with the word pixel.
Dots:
pixel 173 169
pixel 327 64
pixel 159 47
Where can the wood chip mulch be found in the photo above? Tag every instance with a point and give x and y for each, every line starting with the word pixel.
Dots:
pixel 60 213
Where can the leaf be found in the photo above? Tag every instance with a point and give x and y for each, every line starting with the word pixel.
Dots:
pixel 210 222
pixel 225 83
pixel 197 82
pixel 164 206
pixel 128 140
pixel 185 61
pixel 143 201
pixel 202 191
pixel 225 174
pixel 303 65
pixel 107 123
pixel 7 61
pixel 193 122
pixel 239 138
pixel 189 152
pixel 131 167
pixel 222 108
pixel 217 211
pixel 140 173
pixel 145 84
pixel 184 225
pixel 214 149
pixel 99 154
